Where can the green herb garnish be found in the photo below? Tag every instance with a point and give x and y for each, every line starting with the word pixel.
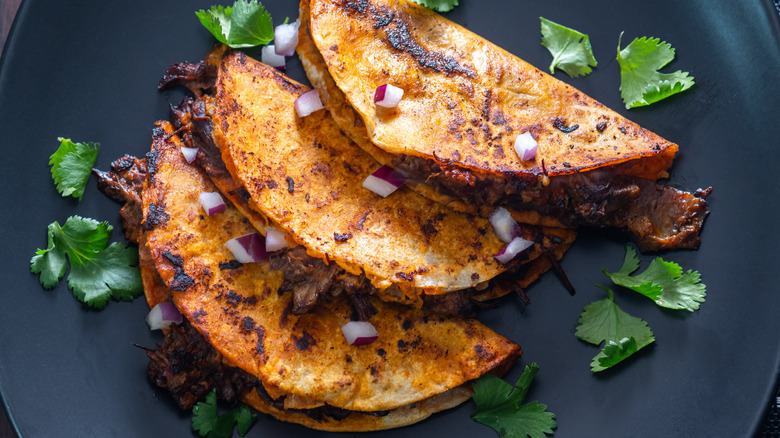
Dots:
pixel 500 406
pixel 570 49
pixel 438 5
pixel 640 82
pixel 208 423
pixel 621 333
pixel 71 166
pixel 663 282
pixel 245 24
pixel 97 273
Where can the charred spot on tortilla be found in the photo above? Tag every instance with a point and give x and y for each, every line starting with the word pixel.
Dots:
pixel 155 217
pixel 181 280
pixel 342 237
pixel 304 341
pixel 231 264
pixel 151 163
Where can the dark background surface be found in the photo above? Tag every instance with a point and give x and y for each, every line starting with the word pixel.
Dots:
pixel 710 92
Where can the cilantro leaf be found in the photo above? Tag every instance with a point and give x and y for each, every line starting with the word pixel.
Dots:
pixel 71 166
pixel 570 49
pixel 663 282
pixel 438 5
pixel 500 406
pixel 97 273
pixel 208 423
pixel 623 334
pixel 640 82
pixel 613 353
pixel 245 24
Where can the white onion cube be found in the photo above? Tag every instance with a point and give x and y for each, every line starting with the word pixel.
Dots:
pixel 274 240
pixel 359 332
pixel 163 315
pixel 526 146
pixel 504 225
pixel 212 203
pixel 384 181
pixel 388 96
pixel 189 154
pixel 269 57
pixel 248 248
pixel 513 248
pixel 286 38
pixel 307 103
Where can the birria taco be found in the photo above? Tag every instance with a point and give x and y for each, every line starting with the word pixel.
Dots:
pixel 300 368
pixel 304 177
pixel 467 104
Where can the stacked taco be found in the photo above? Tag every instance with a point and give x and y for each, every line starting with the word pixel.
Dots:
pixel 266 323
pixel 269 329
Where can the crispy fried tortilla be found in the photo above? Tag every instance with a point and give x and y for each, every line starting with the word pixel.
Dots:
pixel 416 367
pixel 306 177
pixel 466 101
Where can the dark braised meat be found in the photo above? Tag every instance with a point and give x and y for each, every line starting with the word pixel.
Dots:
pixel 189 368
pixel 196 77
pixel 123 183
pixel 458 303
pixel 308 278
pixel 305 277
pixel 656 216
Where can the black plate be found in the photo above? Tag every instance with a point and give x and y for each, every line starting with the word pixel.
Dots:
pixel 88 71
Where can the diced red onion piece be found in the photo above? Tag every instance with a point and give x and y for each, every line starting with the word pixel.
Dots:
pixel 163 315
pixel 504 225
pixel 388 96
pixel 274 240
pixel 212 203
pixel 384 181
pixel 513 248
pixel 359 332
pixel 286 38
pixel 268 56
pixel 248 248
pixel 526 146
pixel 307 103
pixel 189 154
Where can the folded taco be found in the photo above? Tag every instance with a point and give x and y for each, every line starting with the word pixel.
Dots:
pixel 468 106
pixel 300 368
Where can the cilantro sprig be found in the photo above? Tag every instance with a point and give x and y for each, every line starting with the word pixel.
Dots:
pixel 245 24
pixel 663 282
pixel 640 81
pixel 500 406
pixel 571 50
pixel 71 166
pixel 438 5
pixel 622 334
pixel 97 273
pixel 208 423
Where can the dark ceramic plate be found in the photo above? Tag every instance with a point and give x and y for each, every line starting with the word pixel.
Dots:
pixel 88 71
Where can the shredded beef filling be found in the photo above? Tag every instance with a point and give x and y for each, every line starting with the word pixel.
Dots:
pixel 656 216
pixel 123 184
pixel 189 368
